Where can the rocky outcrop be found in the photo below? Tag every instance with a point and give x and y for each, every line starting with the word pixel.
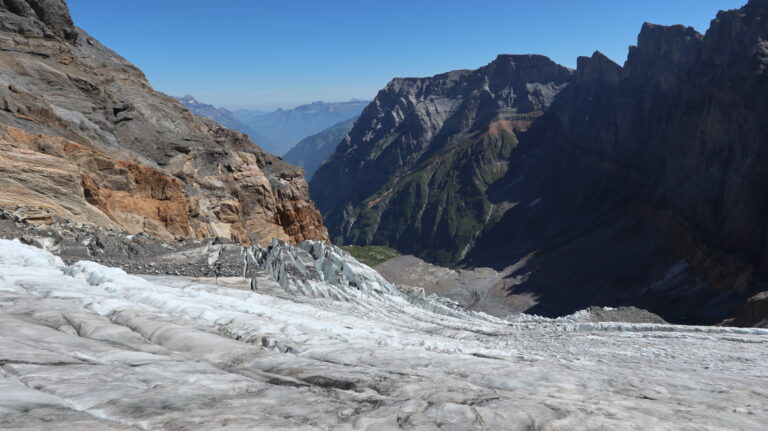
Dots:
pixel 414 171
pixel 87 186
pixel 38 18
pixel 597 68
pixel 33 180
pixel 130 157
pixel 752 314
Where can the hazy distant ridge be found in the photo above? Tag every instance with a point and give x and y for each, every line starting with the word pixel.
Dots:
pixel 286 127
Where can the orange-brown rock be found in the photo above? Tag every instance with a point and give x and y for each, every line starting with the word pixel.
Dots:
pixel 88 139
pixel 73 181
pixel 80 183
pixel 33 179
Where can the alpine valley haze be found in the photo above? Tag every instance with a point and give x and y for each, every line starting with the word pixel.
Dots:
pixel 550 247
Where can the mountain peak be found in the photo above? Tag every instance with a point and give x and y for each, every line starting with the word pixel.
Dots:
pixel 598 67
pixel 416 130
pixel 522 62
pixel 522 58
pixel 674 43
pixel 188 100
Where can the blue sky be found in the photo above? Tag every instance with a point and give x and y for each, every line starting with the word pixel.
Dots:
pixel 265 54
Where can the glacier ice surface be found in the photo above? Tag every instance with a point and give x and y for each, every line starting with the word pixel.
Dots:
pixel 91 347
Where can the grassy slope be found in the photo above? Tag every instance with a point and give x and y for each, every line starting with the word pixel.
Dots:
pixel 371 255
pixel 436 211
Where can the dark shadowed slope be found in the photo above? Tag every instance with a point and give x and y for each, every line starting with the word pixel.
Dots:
pixel 640 185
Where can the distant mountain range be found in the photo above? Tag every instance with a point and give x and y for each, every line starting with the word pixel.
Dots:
pixel 280 130
pixel 313 150
pixel 284 128
pixel 224 117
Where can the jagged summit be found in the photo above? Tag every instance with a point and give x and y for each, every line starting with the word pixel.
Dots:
pixel 597 68
pixel 676 44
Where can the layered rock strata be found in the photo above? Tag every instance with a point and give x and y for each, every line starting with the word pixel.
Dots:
pixel 100 145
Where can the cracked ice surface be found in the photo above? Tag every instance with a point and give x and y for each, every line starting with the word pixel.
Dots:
pixel 89 347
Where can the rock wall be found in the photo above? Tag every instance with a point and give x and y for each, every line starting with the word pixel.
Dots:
pixel 648 179
pixel 141 160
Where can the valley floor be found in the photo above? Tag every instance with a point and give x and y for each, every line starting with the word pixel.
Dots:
pixel 90 347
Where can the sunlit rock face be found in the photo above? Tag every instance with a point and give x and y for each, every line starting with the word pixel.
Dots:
pixel 84 136
pixel 91 347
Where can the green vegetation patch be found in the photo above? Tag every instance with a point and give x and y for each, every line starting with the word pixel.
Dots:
pixel 371 255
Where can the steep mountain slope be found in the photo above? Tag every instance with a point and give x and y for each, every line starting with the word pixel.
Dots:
pixel 313 150
pixel 413 172
pixel 640 185
pixel 84 137
pixel 286 127
pixel 223 117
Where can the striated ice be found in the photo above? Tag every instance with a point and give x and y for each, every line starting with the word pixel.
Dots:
pixel 325 343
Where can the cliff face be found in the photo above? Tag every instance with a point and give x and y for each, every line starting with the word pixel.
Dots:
pixel 414 170
pixel 142 161
pixel 638 185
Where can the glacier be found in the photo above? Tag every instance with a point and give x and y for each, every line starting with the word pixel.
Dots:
pixel 311 339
